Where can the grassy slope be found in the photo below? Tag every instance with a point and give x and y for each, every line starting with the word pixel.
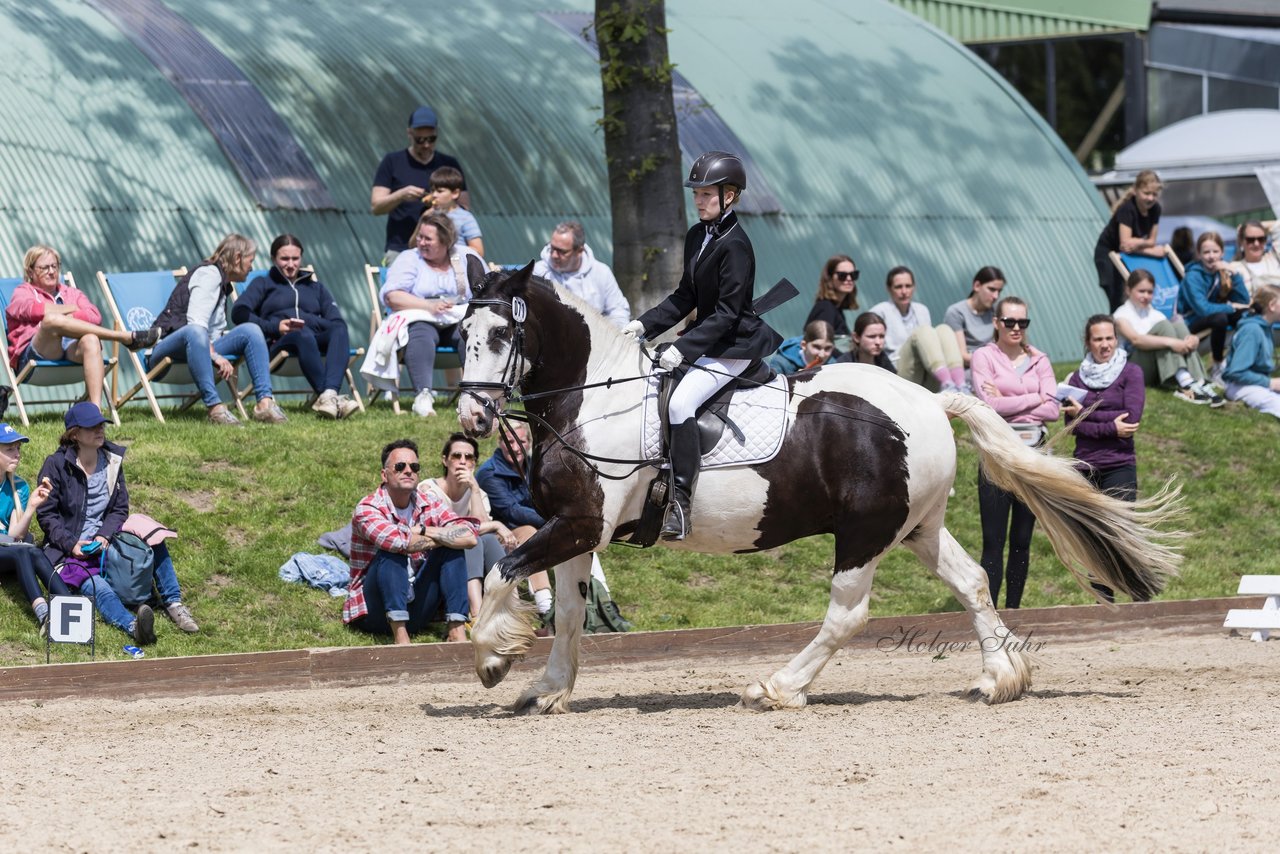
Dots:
pixel 244 500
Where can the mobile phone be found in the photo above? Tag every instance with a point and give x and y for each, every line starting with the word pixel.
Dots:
pixel 92 548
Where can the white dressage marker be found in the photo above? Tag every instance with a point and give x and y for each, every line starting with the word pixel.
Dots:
pixel 1263 620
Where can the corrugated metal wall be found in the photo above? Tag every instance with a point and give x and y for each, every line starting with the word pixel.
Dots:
pixel 883 138
pixel 972 21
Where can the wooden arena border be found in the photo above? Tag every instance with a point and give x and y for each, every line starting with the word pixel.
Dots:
pixel 349 666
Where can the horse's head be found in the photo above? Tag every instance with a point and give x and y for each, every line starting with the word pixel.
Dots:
pixel 495 339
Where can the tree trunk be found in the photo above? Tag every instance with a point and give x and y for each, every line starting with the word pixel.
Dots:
pixel 642 149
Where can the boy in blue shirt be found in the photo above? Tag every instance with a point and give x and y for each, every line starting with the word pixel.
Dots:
pixel 446 188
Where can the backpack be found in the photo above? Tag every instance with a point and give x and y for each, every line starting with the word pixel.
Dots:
pixel 129 567
pixel 600 618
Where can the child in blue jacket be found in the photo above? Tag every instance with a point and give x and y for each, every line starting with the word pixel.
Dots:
pixel 1248 370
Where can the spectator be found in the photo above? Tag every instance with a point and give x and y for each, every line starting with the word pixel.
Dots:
pixel 405 555
pixel 87 504
pixel 923 353
pixel 1212 297
pixel 1106 418
pixel 568 261
pixel 1164 350
pixel 1183 244
pixel 1016 380
pixel 511 503
pixel 298 315
pixel 461 494
pixel 17 508
pixel 868 342
pixel 401 183
pixel 808 351
pixel 49 319
pixel 971 319
pixel 1255 263
pixel 446 189
pixel 193 329
pixel 1132 229
pixel 837 293
pixel 430 286
pixel 1248 371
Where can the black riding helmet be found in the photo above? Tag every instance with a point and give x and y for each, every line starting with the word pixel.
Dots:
pixel 717 168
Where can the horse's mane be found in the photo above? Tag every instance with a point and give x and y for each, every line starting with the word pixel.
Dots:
pixel 604 335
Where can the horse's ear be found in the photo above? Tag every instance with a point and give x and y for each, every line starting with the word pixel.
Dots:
pixel 475 274
pixel 518 281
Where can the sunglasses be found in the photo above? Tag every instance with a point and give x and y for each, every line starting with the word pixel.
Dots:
pixel 1018 322
pixel 1251 239
pixel 424 140
pixel 459 456
pixel 413 467
pixel 848 277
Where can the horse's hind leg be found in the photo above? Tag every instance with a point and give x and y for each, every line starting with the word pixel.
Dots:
pixel 846 616
pixel 1006 670
pixel 550 694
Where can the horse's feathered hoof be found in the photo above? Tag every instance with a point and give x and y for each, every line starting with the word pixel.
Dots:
pixel 493 670
pixel 534 704
pixel 759 698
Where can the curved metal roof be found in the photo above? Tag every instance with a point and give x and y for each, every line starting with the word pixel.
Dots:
pixel 882 136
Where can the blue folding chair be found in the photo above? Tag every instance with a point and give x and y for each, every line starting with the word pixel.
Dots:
pixel 136 300
pixel 284 364
pixel 47 373
pixel 1167 272
pixel 447 356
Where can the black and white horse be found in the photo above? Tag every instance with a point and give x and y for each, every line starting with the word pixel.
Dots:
pixel 870 458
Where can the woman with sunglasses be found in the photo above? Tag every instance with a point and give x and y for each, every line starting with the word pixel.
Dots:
pixel 1106 415
pixel 837 293
pixel 17 509
pixel 1016 380
pixel 458 490
pixel 1212 297
pixel 921 352
pixel 1255 263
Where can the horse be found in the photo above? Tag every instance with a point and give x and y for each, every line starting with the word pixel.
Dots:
pixel 869 458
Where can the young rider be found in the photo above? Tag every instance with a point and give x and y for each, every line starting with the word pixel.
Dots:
pixel 725 337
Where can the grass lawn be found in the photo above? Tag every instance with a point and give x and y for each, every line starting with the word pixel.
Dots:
pixel 243 501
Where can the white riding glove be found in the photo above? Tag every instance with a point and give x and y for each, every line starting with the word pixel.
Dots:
pixel 670 359
pixel 634 329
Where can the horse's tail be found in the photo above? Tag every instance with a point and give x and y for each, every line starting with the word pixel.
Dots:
pixel 1096 536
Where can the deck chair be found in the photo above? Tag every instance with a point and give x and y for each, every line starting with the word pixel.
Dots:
pixel 136 300
pixel 286 365
pixel 447 357
pixel 49 373
pixel 1167 272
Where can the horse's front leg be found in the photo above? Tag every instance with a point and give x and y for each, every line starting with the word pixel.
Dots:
pixel 504 630
pixel 550 694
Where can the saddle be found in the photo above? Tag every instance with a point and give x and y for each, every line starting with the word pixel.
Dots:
pixel 724 438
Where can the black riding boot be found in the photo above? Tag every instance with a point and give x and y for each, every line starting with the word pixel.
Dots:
pixel 686 458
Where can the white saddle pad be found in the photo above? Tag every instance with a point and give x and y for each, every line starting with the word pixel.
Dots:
pixel 761 413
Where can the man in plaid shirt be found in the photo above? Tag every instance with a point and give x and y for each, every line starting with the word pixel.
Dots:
pixel 398 573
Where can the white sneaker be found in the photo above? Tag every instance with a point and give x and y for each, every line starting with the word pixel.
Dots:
pixel 424 404
pixel 326 404
pixel 347 406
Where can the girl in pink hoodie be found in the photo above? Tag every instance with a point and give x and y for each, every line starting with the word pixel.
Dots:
pixel 1016 380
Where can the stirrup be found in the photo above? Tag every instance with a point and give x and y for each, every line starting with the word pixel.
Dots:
pixel 676 526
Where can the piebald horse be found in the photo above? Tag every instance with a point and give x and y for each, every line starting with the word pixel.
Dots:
pixel 869 457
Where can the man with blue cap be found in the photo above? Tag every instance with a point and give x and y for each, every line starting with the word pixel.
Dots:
pixel 403 180
pixel 17 508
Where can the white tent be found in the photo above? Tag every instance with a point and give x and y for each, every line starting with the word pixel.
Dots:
pixel 1216 164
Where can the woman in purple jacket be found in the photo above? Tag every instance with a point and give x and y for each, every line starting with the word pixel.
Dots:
pixel 1104 436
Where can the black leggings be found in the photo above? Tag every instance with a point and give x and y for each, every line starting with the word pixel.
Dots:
pixel 29 563
pixel 1109 278
pixel 1121 482
pixel 995 507
pixel 1217 324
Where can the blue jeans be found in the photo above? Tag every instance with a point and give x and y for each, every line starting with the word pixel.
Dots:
pixel 386 591
pixel 190 344
pixel 166 576
pixel 108 603
pixel 321 355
